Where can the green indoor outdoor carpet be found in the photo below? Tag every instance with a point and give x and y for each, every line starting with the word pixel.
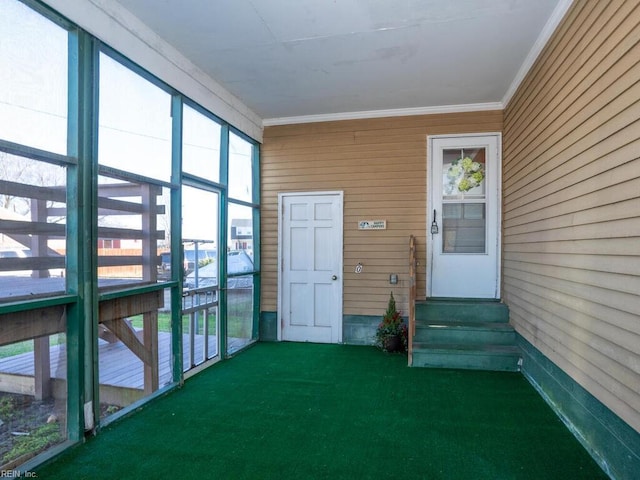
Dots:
pixel 299 411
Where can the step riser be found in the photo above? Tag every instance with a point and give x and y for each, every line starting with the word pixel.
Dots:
pixel 463 313
pixel 503 363
pixel 425 336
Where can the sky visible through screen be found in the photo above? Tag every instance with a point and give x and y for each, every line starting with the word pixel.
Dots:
pixel 134 120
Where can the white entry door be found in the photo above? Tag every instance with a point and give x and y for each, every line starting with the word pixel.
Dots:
pixel 464 216
pixel 310 307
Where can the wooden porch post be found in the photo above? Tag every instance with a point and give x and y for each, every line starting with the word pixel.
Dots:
pixel 39 242
pixel 150 340
pixel 42 368
pixel 150 274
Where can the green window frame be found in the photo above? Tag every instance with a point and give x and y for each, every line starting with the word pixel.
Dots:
pixel 82 295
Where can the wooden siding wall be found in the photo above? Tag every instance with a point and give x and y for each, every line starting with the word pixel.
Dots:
pixel 571 174
pixel 380 164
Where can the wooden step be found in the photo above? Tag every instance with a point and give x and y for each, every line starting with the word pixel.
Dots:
pixel 505 358
pixel 465 333
pixel 462 311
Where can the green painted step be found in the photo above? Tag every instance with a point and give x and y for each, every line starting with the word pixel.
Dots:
pixel 465 333
pixel 504 358
pixel 462 311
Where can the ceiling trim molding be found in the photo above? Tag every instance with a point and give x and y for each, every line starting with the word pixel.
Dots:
pixel 550 27
pixel 398 112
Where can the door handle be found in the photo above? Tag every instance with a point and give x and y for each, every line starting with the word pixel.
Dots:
pixel 434 224
pixel 334 277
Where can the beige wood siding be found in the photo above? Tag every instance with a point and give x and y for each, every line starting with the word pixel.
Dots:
pixel 571 150
pixel 380 165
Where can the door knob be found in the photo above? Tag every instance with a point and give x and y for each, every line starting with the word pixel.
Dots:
pixel 334 277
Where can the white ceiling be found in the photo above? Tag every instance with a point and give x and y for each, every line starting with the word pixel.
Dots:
pixel 312 58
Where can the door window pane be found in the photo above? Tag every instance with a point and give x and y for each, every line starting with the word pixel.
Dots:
pixel 240 306
pixel 135 122
pixel 200 227
pixel 200 237
pixel 199 215
pixel 463 228
pixel 200 145
pixel 463 200
pixel 33 79
pixel 463 171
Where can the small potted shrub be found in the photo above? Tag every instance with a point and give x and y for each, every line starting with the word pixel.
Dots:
pixel 391 334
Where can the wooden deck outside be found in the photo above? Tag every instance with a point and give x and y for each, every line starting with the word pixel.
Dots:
pixel 132 360
pixel 132 363
pixel 118 366
pixel 20 287
pixel 15 287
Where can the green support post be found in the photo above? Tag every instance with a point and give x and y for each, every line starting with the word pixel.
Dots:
pixel 176 240
pixel 80 315
pixel 257 279
pixel 75 327
pixel 222 250
pixel 89 210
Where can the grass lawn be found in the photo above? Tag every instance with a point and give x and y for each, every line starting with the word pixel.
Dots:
pixel 17 348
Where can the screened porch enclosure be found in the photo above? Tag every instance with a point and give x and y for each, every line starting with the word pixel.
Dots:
pixel 110 180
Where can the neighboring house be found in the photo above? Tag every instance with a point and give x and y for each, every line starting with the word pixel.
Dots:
pixel 241 237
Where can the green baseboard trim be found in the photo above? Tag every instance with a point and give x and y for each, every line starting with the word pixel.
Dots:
pixel 268 328
pixel 359 329
pixel 356 329
pixel 609 440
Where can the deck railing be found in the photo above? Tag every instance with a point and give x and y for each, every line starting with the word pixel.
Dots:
pixel 36 241
pixel 412 296
pixel 200 304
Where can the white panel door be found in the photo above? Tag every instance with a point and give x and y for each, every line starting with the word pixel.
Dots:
pixel 311 267
pixel 464 216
